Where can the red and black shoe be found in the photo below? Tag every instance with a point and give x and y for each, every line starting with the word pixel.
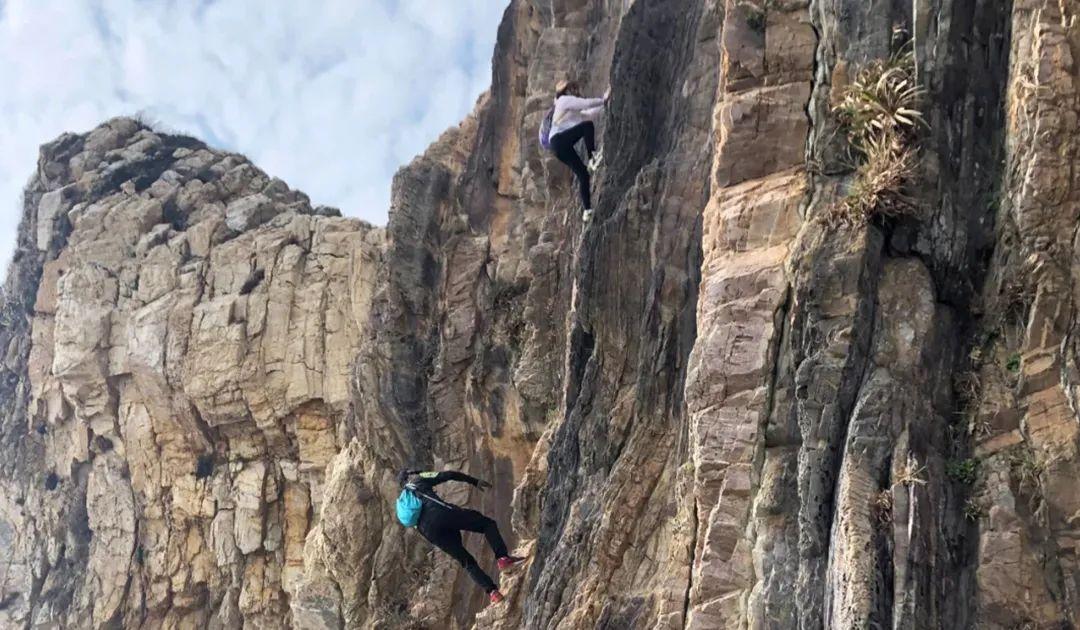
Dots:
pixel 506 562
pixel 496 597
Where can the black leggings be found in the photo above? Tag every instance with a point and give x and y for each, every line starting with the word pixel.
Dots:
pixel 443 528
pixel 563 143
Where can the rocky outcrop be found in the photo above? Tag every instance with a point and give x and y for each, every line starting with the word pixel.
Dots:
pixel 184 361
pixel 710 407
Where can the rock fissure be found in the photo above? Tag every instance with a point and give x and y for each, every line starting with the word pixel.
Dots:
pixel 704 409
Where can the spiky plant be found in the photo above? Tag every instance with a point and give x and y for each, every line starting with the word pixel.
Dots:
pixel 881 102
pixel 1014 362
pixel 879 114
pixel 910 474
pixel 963 471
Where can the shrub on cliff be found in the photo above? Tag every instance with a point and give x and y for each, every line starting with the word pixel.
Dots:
pixel 879 113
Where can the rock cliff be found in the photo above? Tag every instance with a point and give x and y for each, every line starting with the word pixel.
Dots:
pixel 712 406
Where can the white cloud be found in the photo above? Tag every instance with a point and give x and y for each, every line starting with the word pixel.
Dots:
pixel 331 96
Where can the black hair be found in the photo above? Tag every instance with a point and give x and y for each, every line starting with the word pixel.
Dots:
pixel 403 476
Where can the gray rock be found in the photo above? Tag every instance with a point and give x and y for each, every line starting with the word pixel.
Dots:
pixel 249 212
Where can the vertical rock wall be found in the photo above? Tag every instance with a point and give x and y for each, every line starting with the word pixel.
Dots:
pixel 707 408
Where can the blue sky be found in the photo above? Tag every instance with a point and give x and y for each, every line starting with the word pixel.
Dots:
pixel 330 95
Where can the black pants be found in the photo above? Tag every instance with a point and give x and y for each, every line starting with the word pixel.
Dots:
pixel 563 143
pixel 443 528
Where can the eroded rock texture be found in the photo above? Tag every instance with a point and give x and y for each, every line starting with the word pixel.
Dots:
pixel 181 332
pixel 707 408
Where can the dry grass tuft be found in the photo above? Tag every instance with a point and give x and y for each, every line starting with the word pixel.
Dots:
pixel 910 474
pixel 880 115
pixel 1028 470
pixel 883 507
pixel 966 386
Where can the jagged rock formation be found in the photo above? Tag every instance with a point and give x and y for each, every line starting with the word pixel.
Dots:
pixel 182 332
pixel 708 408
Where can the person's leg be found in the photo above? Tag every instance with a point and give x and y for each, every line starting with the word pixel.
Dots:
pixel 588 133
pixel 564 150
pixel 582 173
pixel 473 521
pixel 449 540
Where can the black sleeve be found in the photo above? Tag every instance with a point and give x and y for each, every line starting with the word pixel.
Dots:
pixel 434 478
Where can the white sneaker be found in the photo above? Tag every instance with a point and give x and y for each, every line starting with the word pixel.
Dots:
pixel 586 216
pixel 594 163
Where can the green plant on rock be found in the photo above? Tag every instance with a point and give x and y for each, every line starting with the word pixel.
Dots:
pixel 880 116
pixel 974 508
pixel 755 17
pixel 1014 362
pixel 963 471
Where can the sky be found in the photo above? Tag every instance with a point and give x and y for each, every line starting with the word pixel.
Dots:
pixel 331 96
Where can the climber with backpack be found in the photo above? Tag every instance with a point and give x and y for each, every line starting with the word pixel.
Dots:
pixel 441 523
pixel 569 121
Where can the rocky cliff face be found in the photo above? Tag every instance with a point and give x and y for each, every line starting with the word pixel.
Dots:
pixel 179 333
pixel 710 407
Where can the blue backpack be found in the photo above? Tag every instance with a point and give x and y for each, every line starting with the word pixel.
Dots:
pixel 545 129
pixel 409 506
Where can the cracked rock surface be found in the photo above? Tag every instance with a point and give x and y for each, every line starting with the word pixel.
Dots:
pixel 707 408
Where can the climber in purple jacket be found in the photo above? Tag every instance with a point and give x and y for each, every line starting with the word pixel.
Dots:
pixel 441 523
pixel 571 122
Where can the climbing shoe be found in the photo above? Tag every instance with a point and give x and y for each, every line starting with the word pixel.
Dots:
pixel 496 597
pixel 506 562
pixel 594 161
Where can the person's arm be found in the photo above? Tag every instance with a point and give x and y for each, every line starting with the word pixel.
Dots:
pixel 435 478
pixel 576 103
pixel 592 113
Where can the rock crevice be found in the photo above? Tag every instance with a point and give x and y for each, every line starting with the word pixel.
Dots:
pixel 709 407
